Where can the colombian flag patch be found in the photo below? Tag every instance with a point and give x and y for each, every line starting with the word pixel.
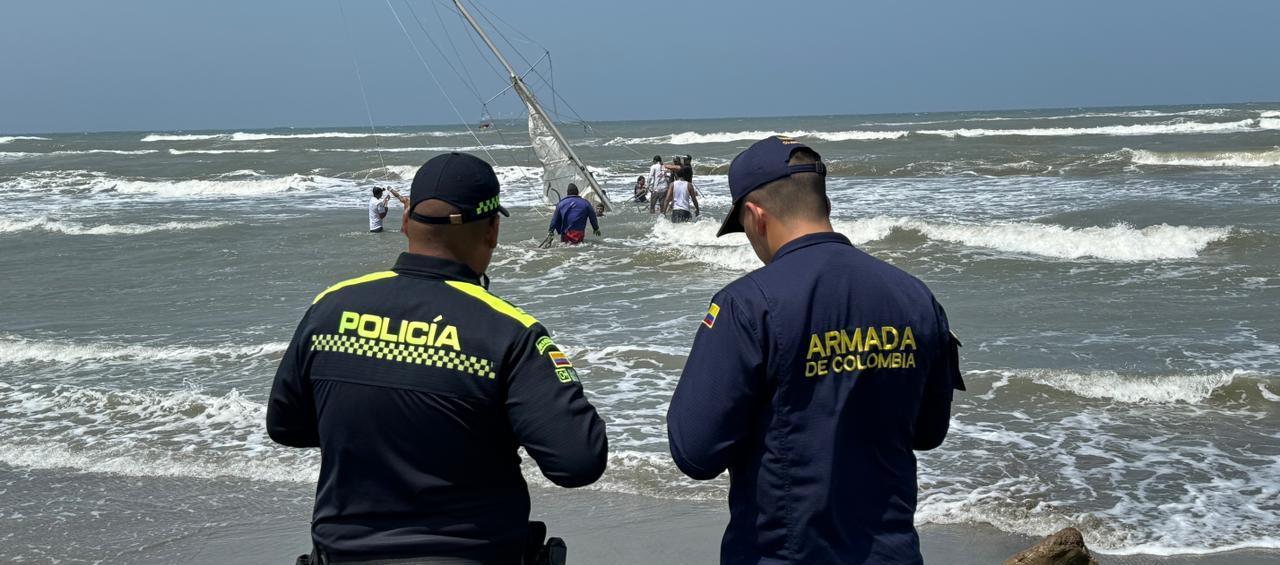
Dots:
pixel 712 312
pixel 559 359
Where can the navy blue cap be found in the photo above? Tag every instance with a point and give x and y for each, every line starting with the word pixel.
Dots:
pixel 762 163
pixel 463 180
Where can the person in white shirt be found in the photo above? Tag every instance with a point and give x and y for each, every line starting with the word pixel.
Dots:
pixel 657 185
pixel 682 199
pixel 378 207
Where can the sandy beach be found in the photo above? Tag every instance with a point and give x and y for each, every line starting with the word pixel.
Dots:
pixel 616 529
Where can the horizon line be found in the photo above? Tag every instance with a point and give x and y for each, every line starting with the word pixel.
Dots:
pixel 675 118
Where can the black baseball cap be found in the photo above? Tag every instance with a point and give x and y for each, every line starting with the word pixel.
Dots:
pixel 762 163
pixel 463 180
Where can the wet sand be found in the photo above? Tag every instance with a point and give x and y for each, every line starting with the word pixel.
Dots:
pixel 613 529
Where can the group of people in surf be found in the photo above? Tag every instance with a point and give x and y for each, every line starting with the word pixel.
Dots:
pixel 669 189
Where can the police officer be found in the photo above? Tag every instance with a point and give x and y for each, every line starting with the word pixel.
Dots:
pixel 418 386
pixel 812 380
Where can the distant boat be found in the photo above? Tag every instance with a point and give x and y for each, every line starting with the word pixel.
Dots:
pixel 560 165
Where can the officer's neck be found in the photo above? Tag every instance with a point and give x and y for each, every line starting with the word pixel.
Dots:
pixel 476 259
pixel 779 234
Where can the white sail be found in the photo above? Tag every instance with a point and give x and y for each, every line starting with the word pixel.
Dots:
pixel 559 168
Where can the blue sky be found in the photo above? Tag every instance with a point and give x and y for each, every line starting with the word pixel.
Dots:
pixel 81 65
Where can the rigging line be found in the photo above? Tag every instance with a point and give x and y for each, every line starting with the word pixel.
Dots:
pixel 513 28
pixel 448 36
pixel 440 51
pixel 447 98
pixel 363 95
pixel 498 31
pixel 476 46
pixel 551 66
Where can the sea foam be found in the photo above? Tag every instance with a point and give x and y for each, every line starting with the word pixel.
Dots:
pixel 1119 130
pixel 1251 158
pixel 10 138
pixel 691 138
pixel 256 136
pixel 217 151
pixel 68 227
pixel 1122 243
pixel 14 350
pixel 1131 389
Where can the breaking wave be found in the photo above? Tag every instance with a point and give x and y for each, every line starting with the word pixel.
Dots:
pixel 215 188
pixel 180 137
pixel 691 138
pixel 149 433
pixel 9 138
pixel 252 136
pixel 11 225
pixel 1129 389
pixel 23 350
pixel 1083 115
pixel 1253 158
pixel 1120 242
pixel 108 151
pixel 494 147
pixel 1129 130
pixel 13 155
pixel 218 151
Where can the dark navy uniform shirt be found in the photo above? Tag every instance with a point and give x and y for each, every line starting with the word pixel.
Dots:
pixel 811 380
pixel 418 385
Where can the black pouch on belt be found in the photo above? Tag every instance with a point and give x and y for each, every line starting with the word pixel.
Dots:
pixel 553 552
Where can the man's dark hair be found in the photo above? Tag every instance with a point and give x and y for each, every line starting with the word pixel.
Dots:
pixel 377 192
pixel 657 158
pixel 799 195
pixel 572 190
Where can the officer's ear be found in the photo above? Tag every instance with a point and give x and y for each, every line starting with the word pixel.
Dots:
pixel 404 222
pixel 491 234
pixel 753 215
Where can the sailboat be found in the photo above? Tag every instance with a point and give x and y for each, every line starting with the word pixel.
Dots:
pixel 560 164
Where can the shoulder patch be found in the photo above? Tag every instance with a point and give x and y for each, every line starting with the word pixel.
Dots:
pixel 478 292
pixel 358 280
pixel 710 320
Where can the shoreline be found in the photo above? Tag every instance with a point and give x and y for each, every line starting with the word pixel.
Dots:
pixel 624 529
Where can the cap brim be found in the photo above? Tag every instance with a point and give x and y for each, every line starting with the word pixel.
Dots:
pixel 503 210
pixel 731 223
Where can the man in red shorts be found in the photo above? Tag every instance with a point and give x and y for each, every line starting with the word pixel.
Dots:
pixel 571 217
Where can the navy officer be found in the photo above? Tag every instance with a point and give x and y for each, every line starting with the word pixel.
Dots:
pixel 812 380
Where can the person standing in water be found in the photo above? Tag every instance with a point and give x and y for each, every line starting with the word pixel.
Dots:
pixel 378 207
pixel 641 191
pixel 658 184
pixel 682 199
pixel 571 217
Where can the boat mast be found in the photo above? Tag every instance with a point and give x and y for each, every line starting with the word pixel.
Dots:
pixel 534 106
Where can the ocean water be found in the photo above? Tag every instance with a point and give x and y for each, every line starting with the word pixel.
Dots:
pixel 1114 274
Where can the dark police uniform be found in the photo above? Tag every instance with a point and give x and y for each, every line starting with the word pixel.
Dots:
pixel 812 379
pixel 418 385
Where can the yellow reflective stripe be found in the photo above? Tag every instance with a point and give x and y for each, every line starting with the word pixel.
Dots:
pixel 358 280
pixel 494 302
